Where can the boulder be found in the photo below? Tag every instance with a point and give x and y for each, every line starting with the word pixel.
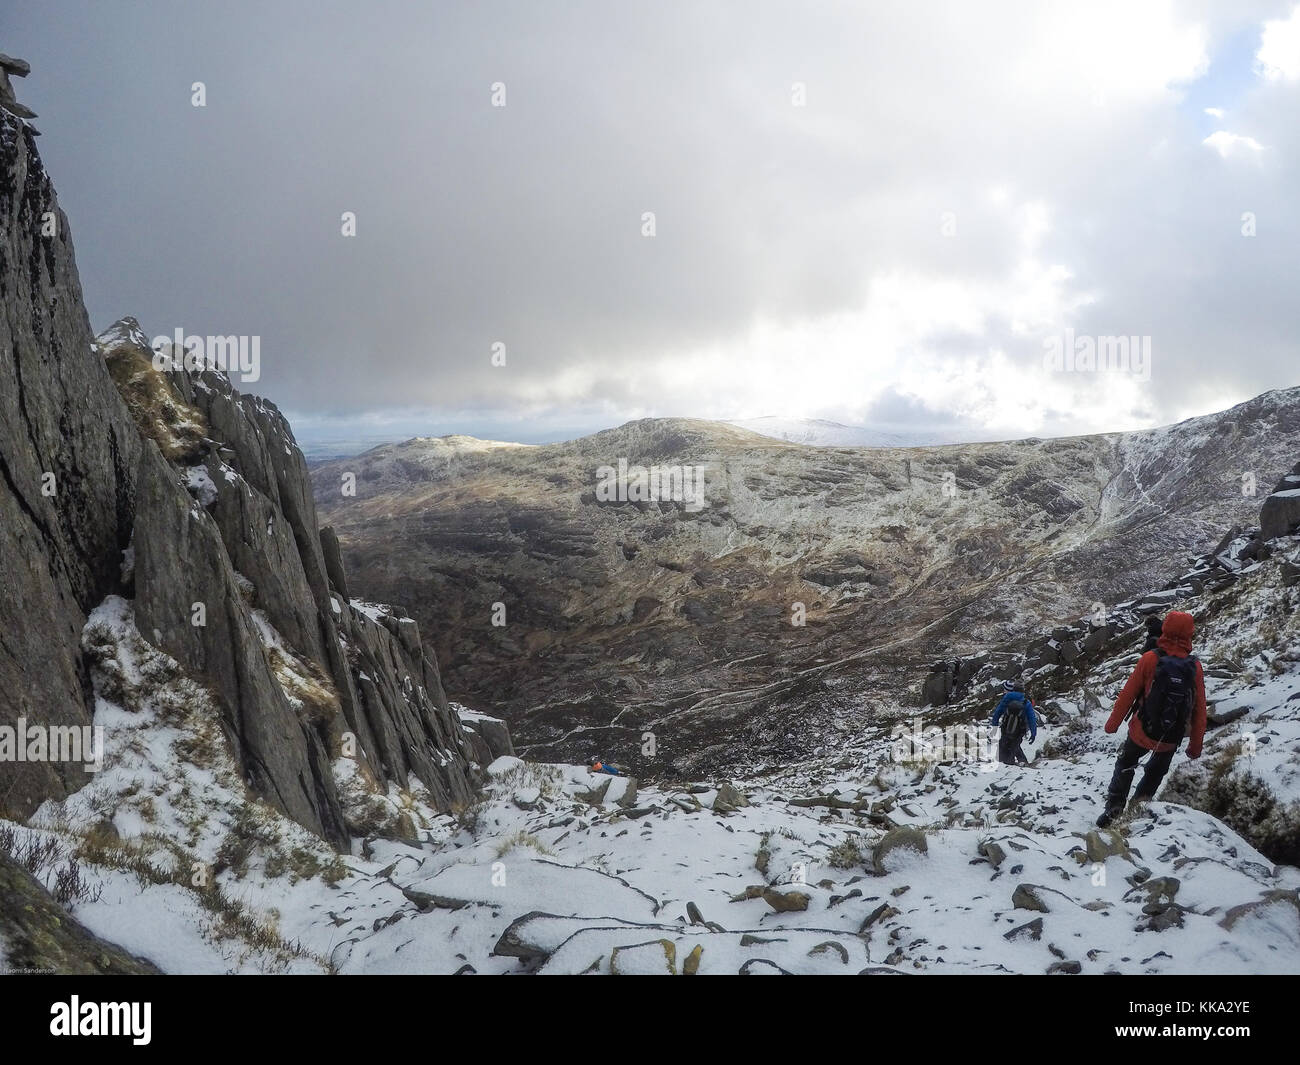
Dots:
pixel 729 799
pixel 489 736
pixel 937 687
pixel 897 841
pixel 1031 930
pixel 1027 897
pixel 786 901
pixel 1097 639
pixel 1103 843
pixel 1280 514
pixel 881 913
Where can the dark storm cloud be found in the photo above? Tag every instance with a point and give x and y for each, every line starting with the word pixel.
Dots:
pixel 1079 185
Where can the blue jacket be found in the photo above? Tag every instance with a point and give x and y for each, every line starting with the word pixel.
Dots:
pixel 1031 719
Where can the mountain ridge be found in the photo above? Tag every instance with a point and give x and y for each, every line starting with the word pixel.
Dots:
pixel 888 548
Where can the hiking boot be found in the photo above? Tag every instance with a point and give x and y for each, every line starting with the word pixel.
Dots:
pixel 1108 815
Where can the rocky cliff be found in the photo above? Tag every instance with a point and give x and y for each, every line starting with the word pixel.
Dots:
pixel 68 454
pixel 167 488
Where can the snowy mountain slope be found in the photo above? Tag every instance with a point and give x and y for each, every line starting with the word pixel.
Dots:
pixel 1011 880
pixel 558 870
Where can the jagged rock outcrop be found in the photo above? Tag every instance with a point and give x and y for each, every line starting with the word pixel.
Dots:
pixel 171 488
pixel 298 667
pixel 181 565
pixel 68 453
pixel 19 68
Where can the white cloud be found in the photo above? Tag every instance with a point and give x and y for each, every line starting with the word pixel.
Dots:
pixel 1216 112
pixel 1278 58
pixel 1232 144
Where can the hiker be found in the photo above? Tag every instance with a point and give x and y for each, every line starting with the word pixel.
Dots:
pixel 1154 628
pixel 1016 712
pixel 1165 694
pixel 601 766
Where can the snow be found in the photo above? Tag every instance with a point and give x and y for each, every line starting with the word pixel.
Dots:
pixel 199 482
pixel 374 611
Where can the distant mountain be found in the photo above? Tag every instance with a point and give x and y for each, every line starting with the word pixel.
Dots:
pixel 821 433
pixel 625 614
pixel 815 432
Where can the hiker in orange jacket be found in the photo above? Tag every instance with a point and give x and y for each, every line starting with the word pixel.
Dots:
pixel 1167 688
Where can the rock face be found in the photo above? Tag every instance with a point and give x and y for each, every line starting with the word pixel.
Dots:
pixel 229 572
pixel 68 454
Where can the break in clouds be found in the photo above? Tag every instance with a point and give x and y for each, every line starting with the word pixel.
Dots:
pixel 887 215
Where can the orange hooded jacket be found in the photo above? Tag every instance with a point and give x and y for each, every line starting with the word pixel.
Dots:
pixel 1175 639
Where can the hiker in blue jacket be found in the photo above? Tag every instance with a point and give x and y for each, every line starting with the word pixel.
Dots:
pixel 1016 712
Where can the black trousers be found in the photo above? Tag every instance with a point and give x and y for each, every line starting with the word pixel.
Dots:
pixel 1125 765
pixel 1009 749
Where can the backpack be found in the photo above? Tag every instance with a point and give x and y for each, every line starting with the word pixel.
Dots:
pixel 1013 718
pixel 1167 706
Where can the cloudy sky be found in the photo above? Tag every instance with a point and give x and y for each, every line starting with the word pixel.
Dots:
pixel 873 213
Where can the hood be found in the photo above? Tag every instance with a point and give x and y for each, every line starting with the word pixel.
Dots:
pixel 1176 636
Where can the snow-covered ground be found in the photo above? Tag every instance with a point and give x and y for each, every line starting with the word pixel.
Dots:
pixel 560 870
